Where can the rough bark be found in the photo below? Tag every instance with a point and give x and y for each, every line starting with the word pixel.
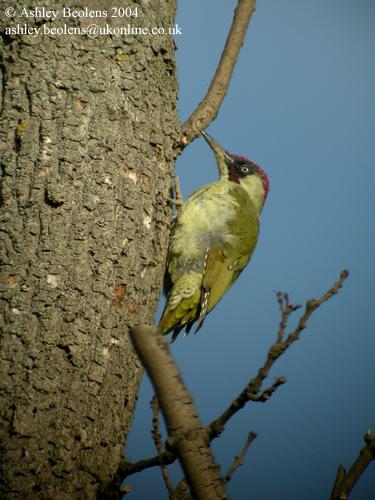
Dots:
pixel 86 140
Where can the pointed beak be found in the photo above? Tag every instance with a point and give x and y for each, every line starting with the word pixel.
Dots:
pixel 223 158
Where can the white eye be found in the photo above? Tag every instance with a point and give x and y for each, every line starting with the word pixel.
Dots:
pixel 244 169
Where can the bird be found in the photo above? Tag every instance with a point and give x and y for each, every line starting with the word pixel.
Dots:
pixel 212 240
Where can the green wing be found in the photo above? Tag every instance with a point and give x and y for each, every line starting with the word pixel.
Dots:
pixel 224 265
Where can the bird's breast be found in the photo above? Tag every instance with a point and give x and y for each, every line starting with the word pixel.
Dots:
pixel 204 222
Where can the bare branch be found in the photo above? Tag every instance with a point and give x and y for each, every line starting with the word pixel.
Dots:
pixel 127 468
pixel 156 436
pixel 340 475
pixel 345 481
pixel 267 393
pixel 252 389
pixel 250 392
pixel 312 305
pixel 238 460
pixel 187 436
pixel 208 109
pixel 286 309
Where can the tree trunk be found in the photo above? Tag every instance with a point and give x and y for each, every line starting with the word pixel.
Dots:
pixel 87 134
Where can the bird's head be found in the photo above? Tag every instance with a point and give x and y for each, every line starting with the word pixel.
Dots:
pixel 242 171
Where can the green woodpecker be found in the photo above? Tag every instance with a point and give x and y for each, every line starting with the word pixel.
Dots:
pixel 212 240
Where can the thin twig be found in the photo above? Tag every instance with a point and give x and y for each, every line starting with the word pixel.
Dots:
pixel 182 490
pixel 252 389
pixel 286 309
pixel 340 475
pixel 208 109
pixel 238 460
pixel 345 481
pixel 267 393
pixel 127 468
pixel 250 392
pixel 156 436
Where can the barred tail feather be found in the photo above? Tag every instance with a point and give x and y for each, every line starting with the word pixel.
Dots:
pixel 203 310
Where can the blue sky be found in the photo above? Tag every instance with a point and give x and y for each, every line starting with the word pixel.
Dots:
pixel 302 105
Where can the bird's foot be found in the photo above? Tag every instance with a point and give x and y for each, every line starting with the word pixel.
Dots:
pixel 177 201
